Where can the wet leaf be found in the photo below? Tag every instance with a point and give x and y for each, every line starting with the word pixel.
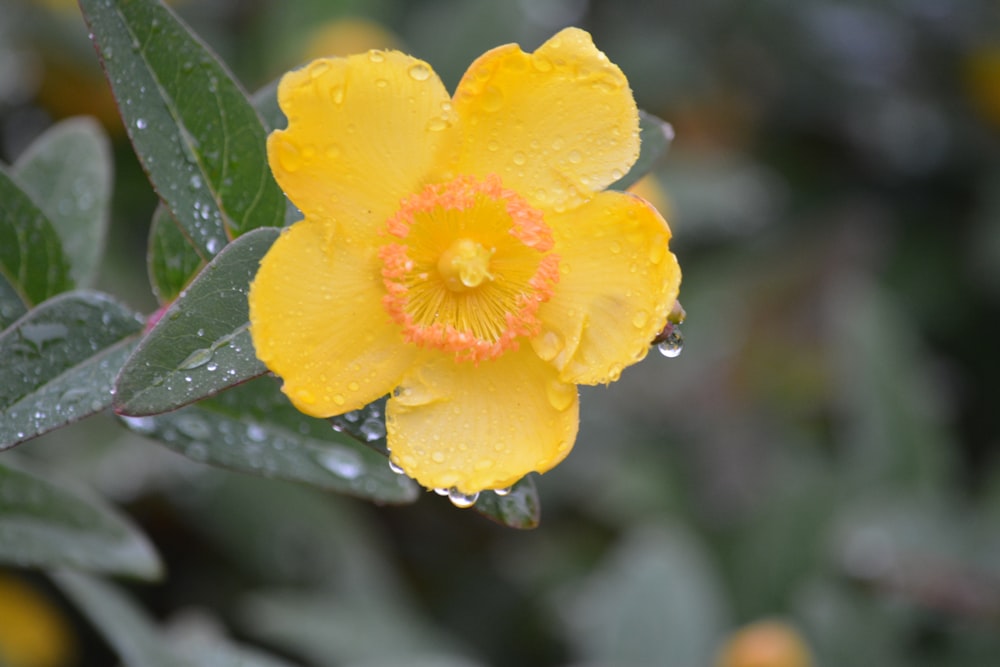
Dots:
pixel 655 136
pixel 59 362
pixel 68 172
pixel 44 525
pixel 656 595
pixel 140 643
pixel 11 304
pixel 201 344
pixel 253 428
pixel 32 260
pixel 192 126
pixel 265 101
pixel 172 259
pixel 520 508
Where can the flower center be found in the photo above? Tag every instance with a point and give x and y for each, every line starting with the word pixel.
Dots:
pixel 464 265
pixel 468 264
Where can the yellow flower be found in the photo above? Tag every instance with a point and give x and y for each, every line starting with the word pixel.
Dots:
pixel 461 253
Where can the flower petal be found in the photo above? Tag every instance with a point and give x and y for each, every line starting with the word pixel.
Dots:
pixel 485 426
pixel 317 321
pixel 618 281
pixel 363 132
pixel 555 125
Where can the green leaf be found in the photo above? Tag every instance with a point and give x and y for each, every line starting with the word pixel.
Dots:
pixel 192 126
pixel 265 101
pixel 68 172
pixel 655 137
pixel 201 344
pixel 655 596
pixel 32 260
pixel 253 428
pixel 59 363
pixel 140 643
pixel 172 259
pixel 11 304
pixel 518 509
pixel 43 525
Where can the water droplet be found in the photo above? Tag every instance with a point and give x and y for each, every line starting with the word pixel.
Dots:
pixel 548 345
pixel 140 123
pixel 353 386
pixel 438 457
pixel 318 68
pixel 437 124
pixel 462 500
pixel 395 468
pixel 256 433
pixel 195 181
pixel 372 429
pixel 541 63
pixel 420 72
pixel 502 492
pixel 381 83
pixel 672 346
pixel 657 252
pixel 338 399
pixel 441 492
pixel 376 56
pixel 289 156
pixel 199 357
pixel 640 319
pixel 212 366
pixel 193 427
pixel 575 157
pixel 519 158
pixel 342 462
pixel 143 425
pixel 560 394
pixel 492 99
pixel 615 247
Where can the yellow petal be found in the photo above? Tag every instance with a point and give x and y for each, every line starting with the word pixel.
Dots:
pixel 618 281
pixel 363 132
pixel 485 426
pixel 555 125
pixel 317 321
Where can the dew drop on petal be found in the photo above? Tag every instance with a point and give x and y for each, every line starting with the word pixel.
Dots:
pixel 492 99
pixel 395 468
pixel 462 500
pixel 419 72
pixel 672 346
pixel 640 319
pixel 502 492
pixel 441 492
pixel 548 345
pixel 560 394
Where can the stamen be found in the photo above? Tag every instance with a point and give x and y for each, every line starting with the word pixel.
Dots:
pixel 470 269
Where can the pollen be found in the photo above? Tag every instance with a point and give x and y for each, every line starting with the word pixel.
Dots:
pixel 467 265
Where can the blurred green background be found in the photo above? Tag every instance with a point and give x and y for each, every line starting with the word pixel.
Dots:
pixel 824 452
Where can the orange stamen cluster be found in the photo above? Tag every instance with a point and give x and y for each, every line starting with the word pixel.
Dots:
pixel 508 245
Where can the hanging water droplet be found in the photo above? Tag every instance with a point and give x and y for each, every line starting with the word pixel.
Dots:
pixel 395 468
pixel 462 500
pixel 672 346
pixel 372 429
pixel 502 492
pixel 441 492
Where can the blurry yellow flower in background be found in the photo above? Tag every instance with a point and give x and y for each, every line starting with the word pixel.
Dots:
pixel 767 643
pixel 461 252
pixel 348 36
pixel 33 633
pixel 982 80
